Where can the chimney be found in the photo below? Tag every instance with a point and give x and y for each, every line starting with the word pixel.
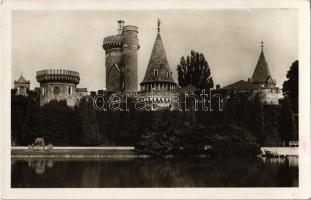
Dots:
pixel 121 25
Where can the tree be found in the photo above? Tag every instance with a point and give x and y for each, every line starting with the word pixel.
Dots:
pixel 257 120
pixel 19 106
pixel 194 70
pixel 158 139
pixel 32 124
pixel 55 120
pixel 290 86
pixel 89 124
pixel 287 128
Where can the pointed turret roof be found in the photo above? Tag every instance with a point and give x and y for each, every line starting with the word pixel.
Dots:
pixel 22 79
pixel 262 72
pixel 158 62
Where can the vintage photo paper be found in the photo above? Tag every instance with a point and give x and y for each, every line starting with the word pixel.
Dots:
pixel 155 99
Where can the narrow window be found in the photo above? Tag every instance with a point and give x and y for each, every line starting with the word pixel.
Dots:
pixel 156 72
pixel 42 90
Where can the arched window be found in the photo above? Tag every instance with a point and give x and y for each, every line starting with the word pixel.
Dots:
pixel 156 73
pixel 168 74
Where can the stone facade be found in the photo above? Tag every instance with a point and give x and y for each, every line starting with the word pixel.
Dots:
pixel 59 84
pixel 121 59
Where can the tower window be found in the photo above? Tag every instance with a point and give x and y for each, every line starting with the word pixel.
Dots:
pixel 42 90
pixel 69 90
pixel 156 73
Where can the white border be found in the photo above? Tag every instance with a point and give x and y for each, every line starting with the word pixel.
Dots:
pixel 301 192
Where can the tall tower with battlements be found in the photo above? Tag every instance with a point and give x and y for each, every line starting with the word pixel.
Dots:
pixel 121 59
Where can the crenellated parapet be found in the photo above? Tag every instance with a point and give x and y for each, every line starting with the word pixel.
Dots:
pixel 58 75
pixel 113 42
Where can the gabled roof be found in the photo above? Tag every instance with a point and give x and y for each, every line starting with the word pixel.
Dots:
pixel 262 72
pixel 158 62
pixel 240 86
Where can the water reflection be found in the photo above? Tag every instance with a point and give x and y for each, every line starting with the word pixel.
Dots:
pixel 186 172
pixel 40 165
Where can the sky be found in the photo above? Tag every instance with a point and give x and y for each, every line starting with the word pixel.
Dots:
pixel 229 39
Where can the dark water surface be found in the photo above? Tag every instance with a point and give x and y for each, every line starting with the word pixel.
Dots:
pixel 186 172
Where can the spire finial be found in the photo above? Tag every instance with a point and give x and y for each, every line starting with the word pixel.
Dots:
pixel 159 23
pixel 261 45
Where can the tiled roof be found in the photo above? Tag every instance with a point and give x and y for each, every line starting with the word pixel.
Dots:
pixel 262 72
pixel 240 86
pixel 158 69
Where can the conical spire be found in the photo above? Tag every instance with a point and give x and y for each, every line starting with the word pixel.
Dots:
pixel 158 69
pixel 262 72
pixel 21 79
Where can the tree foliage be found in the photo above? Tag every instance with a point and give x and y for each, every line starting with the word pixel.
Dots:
pixel 89 126
pixel 257 120
pixel 224 139
pixel 287 128
pixel 290 86
pixel 194 70
pixel 55 120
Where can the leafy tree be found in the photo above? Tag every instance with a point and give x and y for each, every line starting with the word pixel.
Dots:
pixel 32 124
pixel 290 86
pixel 18 112
pixel 287 128
pixel 257 120
pixel 55 119
pixel 158 140
pixel 228 139
pixel 89 124
pixel 194 70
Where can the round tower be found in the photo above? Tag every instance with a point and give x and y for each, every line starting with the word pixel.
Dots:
pixel 129 62
pixel 58 84
pixel 113 49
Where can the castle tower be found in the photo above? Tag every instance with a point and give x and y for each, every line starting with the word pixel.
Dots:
pixel 261 76
pixel 22 86
pixel 58 84
pixel 121 59
pixel 158 78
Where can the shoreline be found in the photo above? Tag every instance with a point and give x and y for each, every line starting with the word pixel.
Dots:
pixel 20 152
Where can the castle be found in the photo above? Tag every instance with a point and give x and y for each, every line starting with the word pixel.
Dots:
pixel 261 83
pixel 121 65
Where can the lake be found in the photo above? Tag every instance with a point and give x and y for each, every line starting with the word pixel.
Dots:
pixel 144 172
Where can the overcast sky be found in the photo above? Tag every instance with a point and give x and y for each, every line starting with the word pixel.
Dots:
pixel 229 39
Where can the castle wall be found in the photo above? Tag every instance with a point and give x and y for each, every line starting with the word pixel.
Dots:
pixel 269 96
pixel 113 76
pixel 58 91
